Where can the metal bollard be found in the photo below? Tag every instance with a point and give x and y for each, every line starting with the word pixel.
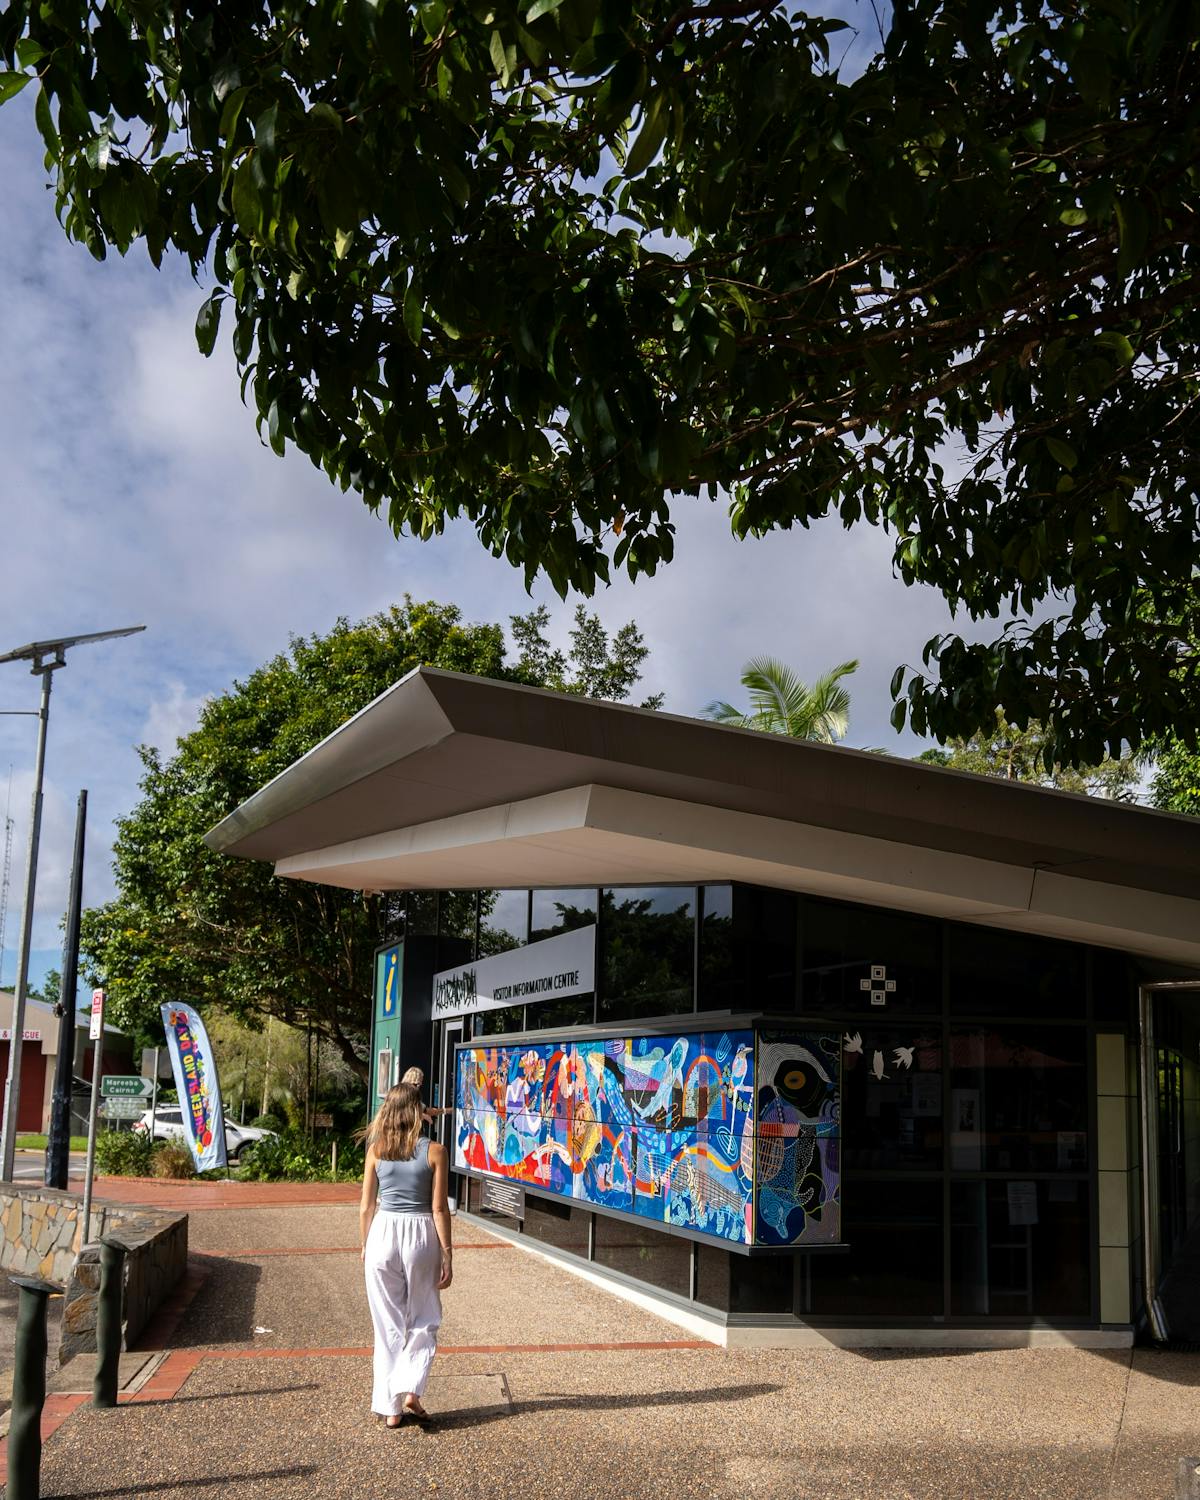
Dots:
pixel 1187 1479
pixel 109 1307
pixel 29 1388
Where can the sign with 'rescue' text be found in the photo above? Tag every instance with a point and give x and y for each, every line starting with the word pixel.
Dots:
pixel 554 969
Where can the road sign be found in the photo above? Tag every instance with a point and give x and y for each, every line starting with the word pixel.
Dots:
pixel 96 1029
pixel 125 1086
pixel 122 1109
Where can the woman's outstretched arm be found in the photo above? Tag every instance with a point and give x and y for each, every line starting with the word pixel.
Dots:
pixel 439 1160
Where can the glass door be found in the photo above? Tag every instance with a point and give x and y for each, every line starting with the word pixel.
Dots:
pixel 452 1033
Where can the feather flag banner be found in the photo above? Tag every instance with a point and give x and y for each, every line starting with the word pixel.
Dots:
pixel 195 1070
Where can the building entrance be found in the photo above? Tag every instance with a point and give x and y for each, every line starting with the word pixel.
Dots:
pixel 1171 1143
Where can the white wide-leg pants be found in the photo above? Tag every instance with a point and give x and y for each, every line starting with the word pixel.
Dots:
pixel 403 1264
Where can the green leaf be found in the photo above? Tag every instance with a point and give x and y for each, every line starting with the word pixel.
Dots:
pixel 208 320
pixel 11 84
pixel 541 8
pixel 1073 217
pixel 651 136
pixel 897 682
pixel 414 315
pixel 1133 226
pixel 342 240
pixel 1119 344
pixel 1061 452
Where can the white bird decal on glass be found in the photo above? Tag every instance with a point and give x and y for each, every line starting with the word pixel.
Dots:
pixel 877 1066
pixel 903 1056
pixel 852 1043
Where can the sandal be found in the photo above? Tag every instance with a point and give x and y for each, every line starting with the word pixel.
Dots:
pixel 417 1414
pixel 393 1422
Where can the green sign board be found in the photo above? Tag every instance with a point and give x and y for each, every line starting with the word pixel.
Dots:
pixel 125 1086
pixel 386 1030
pixel 123 1108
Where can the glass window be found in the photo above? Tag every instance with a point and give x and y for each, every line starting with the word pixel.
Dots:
pixel 720 979
pixel 561 911
pixel 855 956
pixel 421 914
pixel 892 1097
pixel 491 1022
pixel 712 1277
pixel 557 1224
pixel 1114 988
pixel 1019 1248
pixel 764 1284
pixel 648 1254
pixel 766 922
pixel 456 916
pixel 648 938
pixel 579 1010
pixel 503 921
pixel 1007 974
pixel 893 1268
pixel 1018 1099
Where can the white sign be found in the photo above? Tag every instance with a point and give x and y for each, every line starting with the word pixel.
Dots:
pixel 97 1027
pixel 123 1109
pixel 553 969
pixel 26 1036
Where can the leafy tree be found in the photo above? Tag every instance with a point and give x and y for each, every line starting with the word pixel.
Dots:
pixel 781 704
pixel 592 667
pixel 51 988
pixel 546 266
pixel 188 922
pixel 1175 786
pixel 1027 755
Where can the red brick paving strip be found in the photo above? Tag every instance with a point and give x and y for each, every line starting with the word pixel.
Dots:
pixel 55 1412
pixel 155 1192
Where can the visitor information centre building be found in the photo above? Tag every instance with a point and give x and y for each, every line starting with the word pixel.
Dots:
pixel 794 1042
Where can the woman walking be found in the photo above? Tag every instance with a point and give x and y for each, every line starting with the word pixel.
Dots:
pixel 406 1249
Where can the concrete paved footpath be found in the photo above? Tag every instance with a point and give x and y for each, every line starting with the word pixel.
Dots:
pixel 548 1386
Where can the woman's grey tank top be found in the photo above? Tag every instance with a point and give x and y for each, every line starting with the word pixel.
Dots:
pixel 406 1187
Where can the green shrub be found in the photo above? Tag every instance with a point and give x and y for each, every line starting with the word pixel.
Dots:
pixel 267 1122
pixel 173 1159
pixel 292 1156
pixel 124 1153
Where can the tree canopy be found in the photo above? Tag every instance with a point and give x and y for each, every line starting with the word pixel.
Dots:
pixel 1024 754
pixel 190 923
pixel 553 266
pixel 781 704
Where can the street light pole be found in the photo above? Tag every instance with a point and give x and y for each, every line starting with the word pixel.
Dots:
pixel 45 657
pixel 12 1087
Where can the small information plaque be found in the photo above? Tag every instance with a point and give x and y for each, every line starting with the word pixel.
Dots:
pixel 506 1198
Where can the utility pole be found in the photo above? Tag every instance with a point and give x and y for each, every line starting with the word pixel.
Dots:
pixel 46 657
pixel 58 1145
pixel 5 871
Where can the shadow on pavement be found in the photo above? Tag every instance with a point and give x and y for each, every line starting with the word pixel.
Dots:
pixel 223 1312
pixel 447 1421
pixel 266 1390
pixel 297 1471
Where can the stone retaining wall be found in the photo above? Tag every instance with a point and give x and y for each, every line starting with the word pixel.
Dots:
pixel 39 1228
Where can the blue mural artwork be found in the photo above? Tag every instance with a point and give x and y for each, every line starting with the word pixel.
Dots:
pixel 660 1126
pixel 798 1176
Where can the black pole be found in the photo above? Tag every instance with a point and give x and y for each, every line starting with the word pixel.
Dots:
pixel 108 1323
pixel 29 1389
pixel 58 1145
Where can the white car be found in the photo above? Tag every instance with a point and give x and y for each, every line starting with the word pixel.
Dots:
pixel 168 1126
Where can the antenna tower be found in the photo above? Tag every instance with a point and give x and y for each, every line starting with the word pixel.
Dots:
pixel 5 871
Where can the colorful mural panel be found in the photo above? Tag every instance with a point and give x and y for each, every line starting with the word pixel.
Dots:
pixel 798 1166
pixel 661 1126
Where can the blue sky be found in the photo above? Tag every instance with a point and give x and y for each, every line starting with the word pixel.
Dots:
pixel 133 489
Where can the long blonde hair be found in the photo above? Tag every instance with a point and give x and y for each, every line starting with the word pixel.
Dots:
pixel 394 1131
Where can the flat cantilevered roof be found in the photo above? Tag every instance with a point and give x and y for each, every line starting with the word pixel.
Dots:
pixel 451 781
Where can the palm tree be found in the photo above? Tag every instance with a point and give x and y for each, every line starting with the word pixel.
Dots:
pixel 781 704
